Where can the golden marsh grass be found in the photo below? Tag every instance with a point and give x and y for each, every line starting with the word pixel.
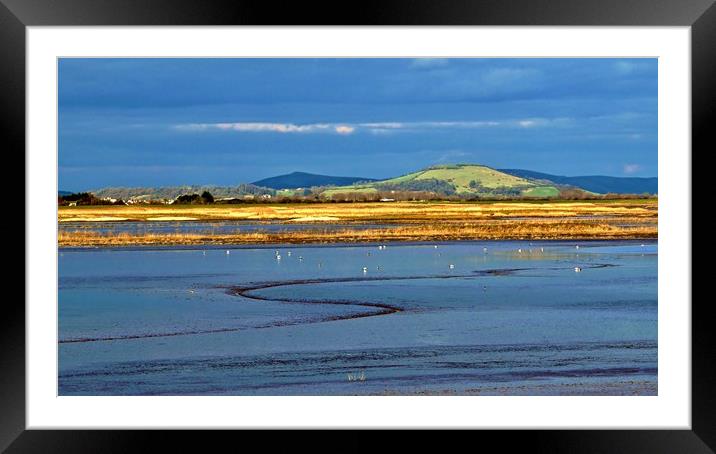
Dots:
pixel 442 221
pixel 362 212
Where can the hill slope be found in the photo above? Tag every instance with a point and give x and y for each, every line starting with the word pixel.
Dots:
pixel 461 179
pixel 595 183
pixel 172 192
pixel 296 180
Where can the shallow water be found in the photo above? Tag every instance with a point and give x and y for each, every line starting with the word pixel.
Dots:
pixel 201 321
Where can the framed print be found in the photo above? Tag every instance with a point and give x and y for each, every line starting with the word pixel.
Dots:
pixel 462 217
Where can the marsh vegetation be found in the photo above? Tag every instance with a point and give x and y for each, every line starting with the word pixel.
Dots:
pixel 397 221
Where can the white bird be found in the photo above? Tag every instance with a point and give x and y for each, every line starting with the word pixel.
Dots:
pixel 452 266
pixel 365 269
pixel 642 245
pixel 519 250
pixel 228 252
pixel 484 250
pixel 288 253
pixel 576 247
pixel 577 269
pixel 203 252
pixel 278 257
pixel 300 258
pixel 541 249
pixel 436 246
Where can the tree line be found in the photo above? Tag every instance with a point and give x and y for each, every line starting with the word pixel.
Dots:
pixel 206 198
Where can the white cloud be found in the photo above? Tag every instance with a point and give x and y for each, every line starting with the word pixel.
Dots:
pixel 386 125
pixel 266 127
pixel 272 127
pixel 631 168
pixel 422 125
pixel 373 127
pixel 191 127
pixel 544 122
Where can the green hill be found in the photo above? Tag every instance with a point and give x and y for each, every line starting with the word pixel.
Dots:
pixel 459 179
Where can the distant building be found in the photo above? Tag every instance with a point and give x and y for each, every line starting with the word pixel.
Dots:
pixel 387 200
pixel 266 196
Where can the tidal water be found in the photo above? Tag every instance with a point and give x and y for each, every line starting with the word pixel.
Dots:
pixel 492 317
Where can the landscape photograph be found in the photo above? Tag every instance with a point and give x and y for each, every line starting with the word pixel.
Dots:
pixel 357 226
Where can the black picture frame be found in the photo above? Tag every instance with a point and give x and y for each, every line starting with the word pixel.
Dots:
pixel 700 15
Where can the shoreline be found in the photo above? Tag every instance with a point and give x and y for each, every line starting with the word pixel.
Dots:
pixel 141 242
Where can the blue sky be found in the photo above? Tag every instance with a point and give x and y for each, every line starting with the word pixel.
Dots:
pixel 158 122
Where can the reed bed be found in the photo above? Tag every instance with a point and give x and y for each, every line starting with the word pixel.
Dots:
pixel 396 212
pixel 501 229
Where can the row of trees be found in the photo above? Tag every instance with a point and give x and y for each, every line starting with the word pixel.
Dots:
pixel 509 191
pixel 578 194
pixel 206 198
pixel 85 198
pixel 195 199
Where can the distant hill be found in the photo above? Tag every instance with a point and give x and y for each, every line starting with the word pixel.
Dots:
pixel 595 183
pixel 459 179
pixel 306 180
pixel 465 180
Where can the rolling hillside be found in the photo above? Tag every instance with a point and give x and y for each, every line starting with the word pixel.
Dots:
pixel 460 179
pixel 465 180
pixel 297 180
